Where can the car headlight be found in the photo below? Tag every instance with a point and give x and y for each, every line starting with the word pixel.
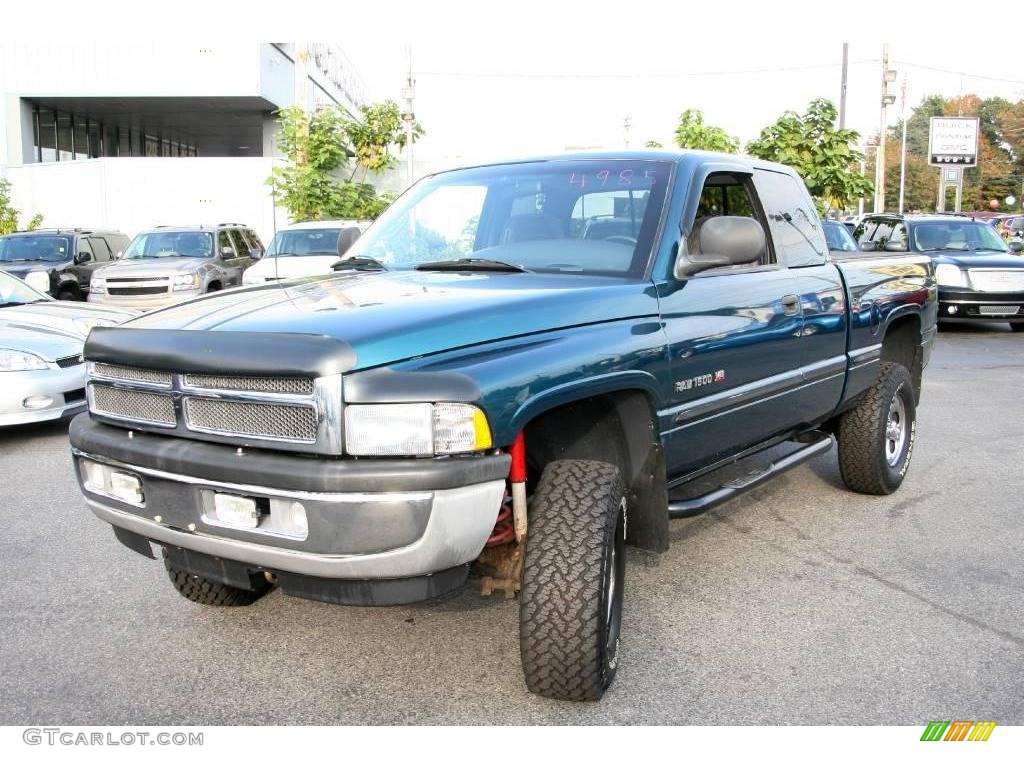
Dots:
pixel 950 275
pixel 39 280
pixel 13 360
pixel 185 282
pixel 98 285
pixel 415 429
pixel 86 324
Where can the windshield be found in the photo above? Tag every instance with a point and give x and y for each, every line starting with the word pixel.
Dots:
pixel 957 236
pixel 305 242
pixel 590 217
pixel 155 245
pixel 838 237
pixel 14 291
pixel 35 248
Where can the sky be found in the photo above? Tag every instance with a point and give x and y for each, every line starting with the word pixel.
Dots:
pixel 558 76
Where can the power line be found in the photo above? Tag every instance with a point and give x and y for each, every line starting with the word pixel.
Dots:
pixel 961 74
pixel 652 75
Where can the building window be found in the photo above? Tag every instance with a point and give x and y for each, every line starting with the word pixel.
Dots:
pixel 64 151
pixel 46 136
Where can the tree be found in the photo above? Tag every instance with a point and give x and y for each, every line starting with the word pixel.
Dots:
pixel 693 133
pixel 825 156
pixel 9 214
pixel 652 144
pixel 312 184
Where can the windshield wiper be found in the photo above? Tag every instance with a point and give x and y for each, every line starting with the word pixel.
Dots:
pixel 358 262
pixel 470 265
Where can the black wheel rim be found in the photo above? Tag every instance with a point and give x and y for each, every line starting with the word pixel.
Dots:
pixel 614 578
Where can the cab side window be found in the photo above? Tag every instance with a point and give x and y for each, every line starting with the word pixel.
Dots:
pixel 84 247
pixel 792 218
pixel 726 194
pixel 99 249
pixel 224 241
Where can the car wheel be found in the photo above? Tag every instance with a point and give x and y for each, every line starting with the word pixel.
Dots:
pixel 570 611
pixel 876 438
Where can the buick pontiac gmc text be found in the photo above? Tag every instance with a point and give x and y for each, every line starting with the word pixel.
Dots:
pixel 518 368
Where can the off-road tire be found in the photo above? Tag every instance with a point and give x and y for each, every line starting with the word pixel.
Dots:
pixel 570 609
pixel 862 434
pixel 205 592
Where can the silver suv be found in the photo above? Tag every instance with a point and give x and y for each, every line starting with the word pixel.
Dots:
pixel 169 264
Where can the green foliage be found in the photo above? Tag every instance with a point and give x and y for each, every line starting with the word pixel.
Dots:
pixel 319 148
pixel 693 133
pixel 652 144
pixel 825 156
pixel 9 214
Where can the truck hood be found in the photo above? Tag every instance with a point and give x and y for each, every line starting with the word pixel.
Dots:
pixel 21 268
pixel 979 260
pixel 152 267
pixel 393 316
pixel 54 329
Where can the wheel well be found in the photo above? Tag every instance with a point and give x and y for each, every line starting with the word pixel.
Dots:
pixel 617 428
pixel 902 344
pixel 214 285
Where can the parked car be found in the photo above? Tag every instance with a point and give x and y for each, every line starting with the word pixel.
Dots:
pixel 519 356
pixel 170 264
pixel 1009 226
pixel 837 235
pixel 60 262
pixel 309 248
pixel 42 372
pixel 980 277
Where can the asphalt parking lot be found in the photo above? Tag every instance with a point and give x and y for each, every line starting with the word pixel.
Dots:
pixel 800 603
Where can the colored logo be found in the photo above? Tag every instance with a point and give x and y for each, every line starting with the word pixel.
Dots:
pixel 958 730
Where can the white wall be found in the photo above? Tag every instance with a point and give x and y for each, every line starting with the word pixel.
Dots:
pixel 131 194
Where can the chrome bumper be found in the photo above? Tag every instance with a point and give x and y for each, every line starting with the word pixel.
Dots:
pixel 144 302
pixel 457 524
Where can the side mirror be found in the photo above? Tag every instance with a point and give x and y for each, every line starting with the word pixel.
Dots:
pixel 83 257
pixel 227 252
pixel 256 253
pixel 721 241
pixel 895 246
pixel 347 238
pixel 1016 246
pixel 868 245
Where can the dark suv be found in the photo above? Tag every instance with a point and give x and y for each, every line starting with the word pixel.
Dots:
pixel 980 277
pixel 60 262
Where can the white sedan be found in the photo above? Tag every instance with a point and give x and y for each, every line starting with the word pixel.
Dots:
pixel 42 374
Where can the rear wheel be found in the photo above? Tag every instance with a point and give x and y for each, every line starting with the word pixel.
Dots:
pixel 206 592
pixel 570 611
pixel 876 439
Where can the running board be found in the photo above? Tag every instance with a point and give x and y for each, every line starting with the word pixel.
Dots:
pixel 733 488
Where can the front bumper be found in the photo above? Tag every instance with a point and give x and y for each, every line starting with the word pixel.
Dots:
pixel 980 306
pixel 144 302
pixel 64 387
pixel 368 519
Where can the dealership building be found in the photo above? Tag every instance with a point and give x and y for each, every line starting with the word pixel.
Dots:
pixel 133 136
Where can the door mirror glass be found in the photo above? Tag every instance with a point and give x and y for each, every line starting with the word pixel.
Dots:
pixel 721 241
pixel 83 257
pixel 256 253
pixel 227 252
pixel 867 245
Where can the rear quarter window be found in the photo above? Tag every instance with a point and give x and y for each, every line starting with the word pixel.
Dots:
pixel 792 218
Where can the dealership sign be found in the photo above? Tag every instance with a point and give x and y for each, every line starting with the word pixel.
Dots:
pixel 953 141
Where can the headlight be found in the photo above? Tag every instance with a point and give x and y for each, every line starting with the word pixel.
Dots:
pixel 950 275
pixel 86 324
pixel 13 360
pixel 98 285
pixel 39 280
pixel 185 282
pixel 415 429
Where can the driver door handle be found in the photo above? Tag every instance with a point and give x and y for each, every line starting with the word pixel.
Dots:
pixel 791 304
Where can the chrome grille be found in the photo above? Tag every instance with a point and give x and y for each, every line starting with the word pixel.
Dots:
pixel 133 405
pixel 993 309
pixel 268 420
pixel 275 384
pixel 997 279
pixel 124 373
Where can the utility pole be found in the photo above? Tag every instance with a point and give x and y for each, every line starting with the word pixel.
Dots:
pixel 842 87
pixel 409 118
pixel 903 145
pixel 888 76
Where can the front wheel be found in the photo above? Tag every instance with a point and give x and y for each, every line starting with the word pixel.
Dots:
pixel 570 611
pixel 876 438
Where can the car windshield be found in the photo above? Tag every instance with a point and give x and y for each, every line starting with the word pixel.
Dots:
pixel 35 248
pixel 957 236
pixel 838 237
pixel 156 245
pixel 14 292
pixel 305 242
pixel 585 217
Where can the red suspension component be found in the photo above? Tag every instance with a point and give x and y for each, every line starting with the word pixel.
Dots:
pixel 505 527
